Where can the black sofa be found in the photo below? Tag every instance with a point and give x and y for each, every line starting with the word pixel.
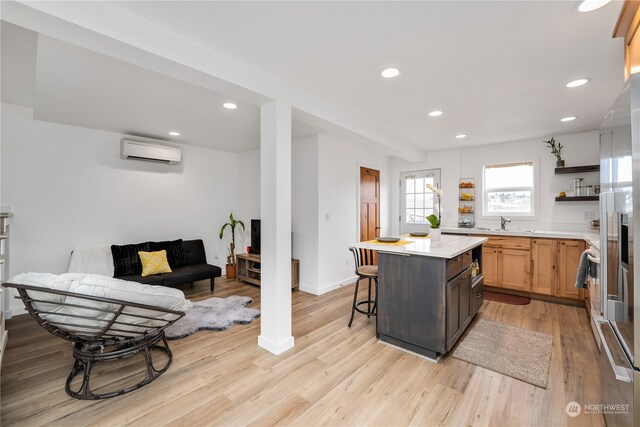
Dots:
pixel 192 266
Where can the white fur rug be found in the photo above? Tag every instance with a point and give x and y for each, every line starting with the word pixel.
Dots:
pixel 213 314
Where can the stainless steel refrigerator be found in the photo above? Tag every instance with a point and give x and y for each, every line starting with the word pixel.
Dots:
pixel 619 198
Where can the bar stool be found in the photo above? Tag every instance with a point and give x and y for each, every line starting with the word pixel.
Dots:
pixel 365 269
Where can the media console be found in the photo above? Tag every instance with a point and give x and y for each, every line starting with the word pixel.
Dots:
pixel 248 270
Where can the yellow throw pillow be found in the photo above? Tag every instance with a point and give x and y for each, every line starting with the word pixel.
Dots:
pixel 154 262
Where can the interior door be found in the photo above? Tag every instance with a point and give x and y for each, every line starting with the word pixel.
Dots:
pixel 416 201
pixel 369 204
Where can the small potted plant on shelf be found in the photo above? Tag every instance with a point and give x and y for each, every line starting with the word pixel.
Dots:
pixel 434 220
pixel 556 150
pixel 231 257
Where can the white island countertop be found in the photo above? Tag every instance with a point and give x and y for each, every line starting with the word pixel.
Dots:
pixel 449 246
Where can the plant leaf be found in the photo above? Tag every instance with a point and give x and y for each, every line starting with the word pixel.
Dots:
pixel 433 220
pixel 222 229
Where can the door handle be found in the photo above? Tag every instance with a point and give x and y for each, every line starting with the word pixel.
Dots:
pixel 377 228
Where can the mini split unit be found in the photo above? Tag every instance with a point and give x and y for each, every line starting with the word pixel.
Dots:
pixel 149 151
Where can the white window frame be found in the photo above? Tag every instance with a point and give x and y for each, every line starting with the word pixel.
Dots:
pixel 534 193
pixel 405 227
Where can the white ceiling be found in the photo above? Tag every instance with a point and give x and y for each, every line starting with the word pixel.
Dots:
pixel 67 84
pixel 497 69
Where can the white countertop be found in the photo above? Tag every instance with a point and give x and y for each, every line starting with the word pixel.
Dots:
pixel 449 246
pixel 591 237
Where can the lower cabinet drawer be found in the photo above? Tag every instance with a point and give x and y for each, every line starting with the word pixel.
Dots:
pixel 458 264
pixel 477 296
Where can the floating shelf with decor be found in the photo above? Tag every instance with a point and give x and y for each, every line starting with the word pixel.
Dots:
pixel 578 199
pixel 578 169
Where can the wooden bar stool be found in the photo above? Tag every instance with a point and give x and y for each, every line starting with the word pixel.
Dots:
pixel 365 269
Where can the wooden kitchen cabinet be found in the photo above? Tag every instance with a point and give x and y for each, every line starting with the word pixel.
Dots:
pixel 569 252
pixel 490 265
pixel 544 256
pixel 506 262
pixel 459 306
pixel 514 269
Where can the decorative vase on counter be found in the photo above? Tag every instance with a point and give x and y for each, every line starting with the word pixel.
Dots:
pixel 435 234
pixel 559 163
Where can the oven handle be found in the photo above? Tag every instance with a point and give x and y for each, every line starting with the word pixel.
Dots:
pixel 621 373
pixel 592 259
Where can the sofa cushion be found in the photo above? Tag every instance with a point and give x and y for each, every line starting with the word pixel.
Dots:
pixel 194 252
pixel 65 316
pixel 175 252
pixel 155 280
pixel 126 261
pixel 190 273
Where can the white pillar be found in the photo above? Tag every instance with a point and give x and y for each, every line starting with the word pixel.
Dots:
pixel 275 214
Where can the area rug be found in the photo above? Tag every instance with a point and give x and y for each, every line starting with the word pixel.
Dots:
pixel 506 298
pixel 518 353
pixel 213 314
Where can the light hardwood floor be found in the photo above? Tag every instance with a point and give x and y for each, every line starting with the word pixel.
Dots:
pixel 333 376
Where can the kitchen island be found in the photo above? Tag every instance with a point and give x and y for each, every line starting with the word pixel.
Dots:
pixel 427 296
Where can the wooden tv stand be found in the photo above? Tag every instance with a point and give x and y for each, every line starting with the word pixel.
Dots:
pixel 247 272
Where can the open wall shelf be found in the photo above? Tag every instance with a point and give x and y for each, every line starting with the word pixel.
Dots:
pixel 578 199
pixel 578 169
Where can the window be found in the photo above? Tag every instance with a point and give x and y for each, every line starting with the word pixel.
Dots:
pixel 417 202
pixel 508 190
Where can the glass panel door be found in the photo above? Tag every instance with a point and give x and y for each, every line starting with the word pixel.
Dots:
pixel 417 202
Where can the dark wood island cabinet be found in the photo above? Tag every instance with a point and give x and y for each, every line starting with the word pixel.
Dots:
pixel 426 302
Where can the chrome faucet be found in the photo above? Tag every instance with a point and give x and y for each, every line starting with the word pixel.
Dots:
pixel 503 222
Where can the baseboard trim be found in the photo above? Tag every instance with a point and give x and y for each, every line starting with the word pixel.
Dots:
pixel 328 288
pixel 275 347
pixel 17 311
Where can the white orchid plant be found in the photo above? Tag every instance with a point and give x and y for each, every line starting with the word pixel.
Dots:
pixel 433 219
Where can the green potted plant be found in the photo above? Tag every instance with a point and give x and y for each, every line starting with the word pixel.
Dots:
pixel 556 150
pixel 434 220
pixel 231 257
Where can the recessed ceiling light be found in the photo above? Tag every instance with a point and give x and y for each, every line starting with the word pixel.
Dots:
pixel 578 82
pixel 435 113
pixel 390 73
pixel 229 105
pixel 568 119
pixel 589 5
pixel 174 133
pixel 461 135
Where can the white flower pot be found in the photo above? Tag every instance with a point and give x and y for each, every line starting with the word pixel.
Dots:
pixel 435 234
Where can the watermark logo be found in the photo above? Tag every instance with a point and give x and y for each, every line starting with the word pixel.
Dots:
pixel 573 409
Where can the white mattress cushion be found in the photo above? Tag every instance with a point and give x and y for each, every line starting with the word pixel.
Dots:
pixel 127 324
pixel 92 259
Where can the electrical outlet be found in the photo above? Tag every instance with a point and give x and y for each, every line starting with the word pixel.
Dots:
pixel 589 216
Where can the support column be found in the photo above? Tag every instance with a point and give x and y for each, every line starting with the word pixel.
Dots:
pixel 275 215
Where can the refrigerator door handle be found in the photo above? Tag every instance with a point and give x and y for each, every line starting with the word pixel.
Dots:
pixel 604 253
pixel 621 373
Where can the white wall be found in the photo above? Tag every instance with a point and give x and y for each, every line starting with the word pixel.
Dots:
pixel 304 210
pixel 579 149
pixel 339 165
pixel 247 206
pixel 67 187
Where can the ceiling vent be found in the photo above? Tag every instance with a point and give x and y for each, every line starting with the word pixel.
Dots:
pixel 149 151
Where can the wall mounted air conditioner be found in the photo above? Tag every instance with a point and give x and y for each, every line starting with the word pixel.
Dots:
pixel 149 151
